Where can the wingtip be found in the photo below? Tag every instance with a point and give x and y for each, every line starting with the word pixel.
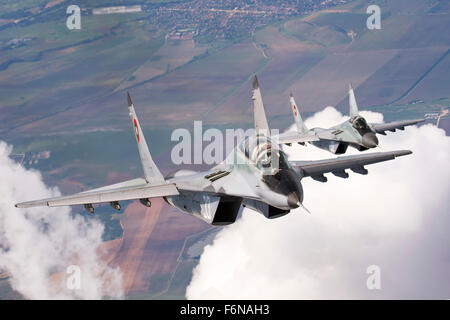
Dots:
pixel 130 103
pixel 291 95
pixel 350 86
pixel 401 153
pixel 255 82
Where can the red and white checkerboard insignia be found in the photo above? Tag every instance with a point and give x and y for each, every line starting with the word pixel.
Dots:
pixel 295 110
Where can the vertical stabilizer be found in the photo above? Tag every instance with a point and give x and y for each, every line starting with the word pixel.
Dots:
pixel 352 102
pixel 301 127
pixel 151 172
pixel 261 125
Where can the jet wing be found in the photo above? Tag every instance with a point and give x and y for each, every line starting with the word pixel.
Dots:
pixel 218 181
pixel 337 166
pixel 128 190
pixel 391 126
pixel 295 137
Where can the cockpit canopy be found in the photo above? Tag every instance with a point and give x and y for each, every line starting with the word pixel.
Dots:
pixel 359 123
pixel 264 153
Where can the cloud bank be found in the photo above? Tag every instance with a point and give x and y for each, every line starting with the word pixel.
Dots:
pixel 396 218
pixel 38 245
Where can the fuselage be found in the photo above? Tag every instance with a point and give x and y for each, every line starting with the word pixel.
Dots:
pixel 257 166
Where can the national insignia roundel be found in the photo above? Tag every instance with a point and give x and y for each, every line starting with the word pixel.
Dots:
pixel 136 130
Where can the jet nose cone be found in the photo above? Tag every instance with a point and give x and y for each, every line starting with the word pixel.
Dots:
pixel 370 140
pixel 293 201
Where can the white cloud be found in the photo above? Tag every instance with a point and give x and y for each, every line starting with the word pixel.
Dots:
pixel 396 217
pixel 38 244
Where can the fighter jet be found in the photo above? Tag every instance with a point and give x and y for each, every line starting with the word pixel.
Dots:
pixel 259 177
pixel 355 132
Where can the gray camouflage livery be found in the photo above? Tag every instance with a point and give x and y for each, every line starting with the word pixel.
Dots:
pixel 256 174
pixel 355 132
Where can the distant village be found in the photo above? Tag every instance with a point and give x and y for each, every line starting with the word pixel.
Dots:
pixel 200 20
